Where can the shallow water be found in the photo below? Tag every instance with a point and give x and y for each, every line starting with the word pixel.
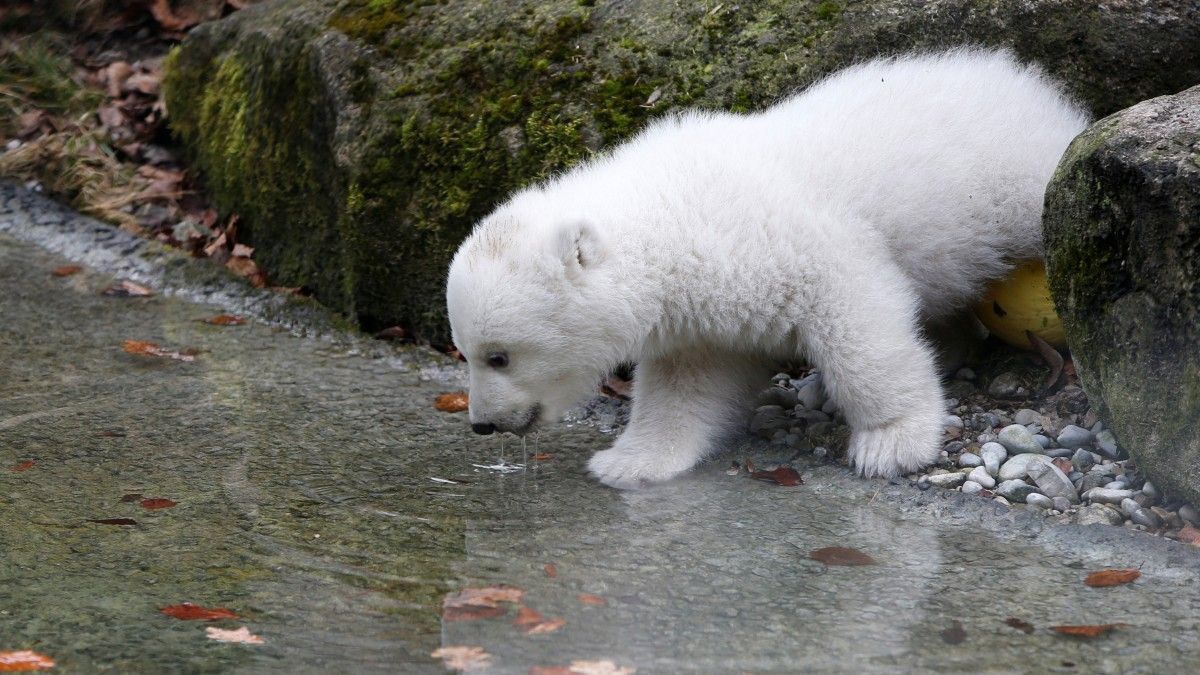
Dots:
pixel 303 470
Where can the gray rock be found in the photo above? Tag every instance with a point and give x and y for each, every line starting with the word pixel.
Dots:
pixel 1106 443
pixel 1055 453
pixel 830 408
pixel 1099 514
pixel 1040 501
pixel 980 475
pixel 1074 437
pixel 947 480
pixel 784 398
pixel 1107 495
pixel 954 446
pixel 1083 460
pixel 1189 513
pixel 1015 490
pixel 1147 518
pixel 1130 507
pixel 1052 482
pixel 993 455
pixel 1017 440
pixel 1042 440
pixel 1025 416
pixel 1152 492
pixel 811 417
pixel 1061 504
pixel 811 395
pixel 952 422
pixel 970 459
pixel 985 438
pixel 972 488
pixel 1006 385
pixel 1117 484
pixel 1018 466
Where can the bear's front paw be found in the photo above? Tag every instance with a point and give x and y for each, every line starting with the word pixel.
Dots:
pixel 900 446
pixel 627 467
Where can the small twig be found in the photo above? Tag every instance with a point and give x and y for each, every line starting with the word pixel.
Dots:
pixel 1052 358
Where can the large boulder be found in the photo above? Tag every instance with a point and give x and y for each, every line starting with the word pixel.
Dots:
pixel 360 139
pixel 1122 229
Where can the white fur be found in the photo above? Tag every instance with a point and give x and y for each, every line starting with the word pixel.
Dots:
pixel 712 245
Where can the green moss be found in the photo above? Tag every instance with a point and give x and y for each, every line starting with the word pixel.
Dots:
pixel 828 11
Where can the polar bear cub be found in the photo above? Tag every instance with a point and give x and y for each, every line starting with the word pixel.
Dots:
pixel 711 246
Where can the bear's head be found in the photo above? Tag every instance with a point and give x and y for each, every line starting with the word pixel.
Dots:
pixel 534 309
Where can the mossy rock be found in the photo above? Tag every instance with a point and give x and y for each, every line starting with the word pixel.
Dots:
pixel 360 140
pixel 1122 229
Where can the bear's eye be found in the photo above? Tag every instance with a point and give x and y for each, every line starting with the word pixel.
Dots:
pixel 497 359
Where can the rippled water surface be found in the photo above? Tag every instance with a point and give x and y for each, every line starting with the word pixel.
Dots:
pixel 304 475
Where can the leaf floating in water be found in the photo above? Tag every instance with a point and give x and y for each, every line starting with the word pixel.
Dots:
pixel 113 521
pixel 225 320
pixel 1105 578
pixel 144 348
pixel 954 635
pixel 541 457
pixel 1087 631
pixel 127 289
pixel 551 570
pixel 1020 624
pixel 24 661
pixel 240 635
pixel 841 556
pixel 21 466
pixel 189 612
pixel 157 503
pixel 784 475
pixel 452 403
pixel 66 270
pixel 462 657
pixel 593 600
pixel 479 603
pixel 531 622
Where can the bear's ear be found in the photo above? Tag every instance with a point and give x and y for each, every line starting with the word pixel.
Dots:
pixel 578 247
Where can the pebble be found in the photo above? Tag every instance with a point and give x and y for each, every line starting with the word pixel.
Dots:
pixel 811 395
pixel 1150 491
pixel 952 422
pixel 970 459
pixel 1040 501
pixel 1017 440
pixel 1015 490
pixel 1099 514
pixel 993 455
pixel 1052 482
pixel 1018 466
pixel 1074 437
pixel 1001 500
pixel 972 488
pixel 1083 460
pixel 1118 484
pixel 1061 504
pixel 1130 507
pixel 947 480
pixel 1106 443
pixel 1189 513
pixel 1025 416
pixel 1107 495
pixel 820 452
pixel 1005 385
pixel 981 476
pixel 1044 441
pixel 1146 517
pixel 1092 480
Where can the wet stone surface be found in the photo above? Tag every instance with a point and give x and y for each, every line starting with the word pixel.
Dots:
pixel 303 474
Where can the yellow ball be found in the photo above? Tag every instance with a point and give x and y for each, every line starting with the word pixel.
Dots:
pixel 1019 303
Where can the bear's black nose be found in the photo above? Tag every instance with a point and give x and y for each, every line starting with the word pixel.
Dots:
pixel 483 429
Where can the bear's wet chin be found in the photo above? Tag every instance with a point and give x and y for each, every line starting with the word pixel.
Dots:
pixel 529 422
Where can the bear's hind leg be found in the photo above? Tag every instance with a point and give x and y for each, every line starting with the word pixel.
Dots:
pixel 681 405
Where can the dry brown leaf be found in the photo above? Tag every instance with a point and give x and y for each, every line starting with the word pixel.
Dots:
pixel 66 270
pixel 24 661
pixel 1189 535
pixel 462 657
pixel 144 348
pixel 239 635
pixel 143 83
pixel 551 570
pixel 453 402
pixel 168 19
pixel 542 457
pixel 1089 631
pixel 188 612
pixel 21 466
pixel 532 622
pixel 784 475
pixel 242 251
pixel 479 603
pixel 127 289
pixel 114 78
pixel 593 600
pixel 248 270
pixel 155 503
pixel 1063 464
pixel 840 555
pixel 1105 578
pixel 225 320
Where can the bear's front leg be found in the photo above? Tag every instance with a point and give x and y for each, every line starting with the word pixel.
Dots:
pixel 681 405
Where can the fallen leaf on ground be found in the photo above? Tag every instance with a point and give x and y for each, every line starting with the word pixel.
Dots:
pixel 157 503
pixel 784 475
pixel 248 270
pixel 113 521
pixel 1019 624
pixel 479 603
pixel 1087 631
pixel 66 270
pixel 452 402
pixel 840 555
pixel 144 348
pixel 225 320
pixel 21 466
pixel 1105 578
pixel 541 457
pixel 462 657
pixel 1063 464
pixel 1189 535
pixel 188 612
pixel 25 660
pixel 954 635
pixel 594 600
pixel 240 635
pixel 127 289
pixel 532 622
pixel 551 570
